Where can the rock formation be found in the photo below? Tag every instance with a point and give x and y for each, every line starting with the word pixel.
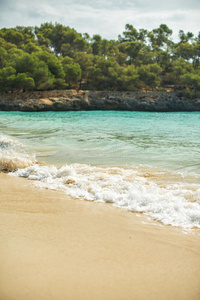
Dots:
pixel 71 100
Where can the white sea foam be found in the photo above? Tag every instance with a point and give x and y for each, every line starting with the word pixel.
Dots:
pixel 13 155
pixel 174 204
pixel 159 195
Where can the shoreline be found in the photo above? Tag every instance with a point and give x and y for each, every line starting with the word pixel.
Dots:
pixel 72 100
pixel 55 247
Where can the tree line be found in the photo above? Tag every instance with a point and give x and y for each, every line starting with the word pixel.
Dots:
pixel 54 56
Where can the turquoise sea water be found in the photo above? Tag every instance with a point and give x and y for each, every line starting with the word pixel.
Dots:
pixel 141 161
pixel 169 140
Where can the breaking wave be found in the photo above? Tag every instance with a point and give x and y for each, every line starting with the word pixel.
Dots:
pixel 13 155
pixel 171 202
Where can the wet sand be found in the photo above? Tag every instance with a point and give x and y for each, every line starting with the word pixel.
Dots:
pixel 54 247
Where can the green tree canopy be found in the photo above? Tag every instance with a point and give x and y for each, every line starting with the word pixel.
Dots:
pixel 53 56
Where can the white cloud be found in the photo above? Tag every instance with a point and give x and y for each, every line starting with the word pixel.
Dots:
pixel 104 17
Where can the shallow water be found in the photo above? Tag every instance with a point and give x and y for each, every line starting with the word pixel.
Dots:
pixel 140 161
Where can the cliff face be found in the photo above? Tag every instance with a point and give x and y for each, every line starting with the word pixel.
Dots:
pixel 71 100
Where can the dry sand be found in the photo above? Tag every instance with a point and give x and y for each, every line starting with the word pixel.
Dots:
pixel 53 247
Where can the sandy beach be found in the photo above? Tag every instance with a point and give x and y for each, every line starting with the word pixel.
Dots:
pixel 54 247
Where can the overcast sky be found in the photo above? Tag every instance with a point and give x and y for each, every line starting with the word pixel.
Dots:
pixel 104 17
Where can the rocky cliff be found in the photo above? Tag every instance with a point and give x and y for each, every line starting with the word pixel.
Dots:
pixel 71 100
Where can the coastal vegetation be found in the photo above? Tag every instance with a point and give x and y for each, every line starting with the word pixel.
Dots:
pixel 54 56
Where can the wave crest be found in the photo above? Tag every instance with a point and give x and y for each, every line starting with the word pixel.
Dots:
pixel 13 156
